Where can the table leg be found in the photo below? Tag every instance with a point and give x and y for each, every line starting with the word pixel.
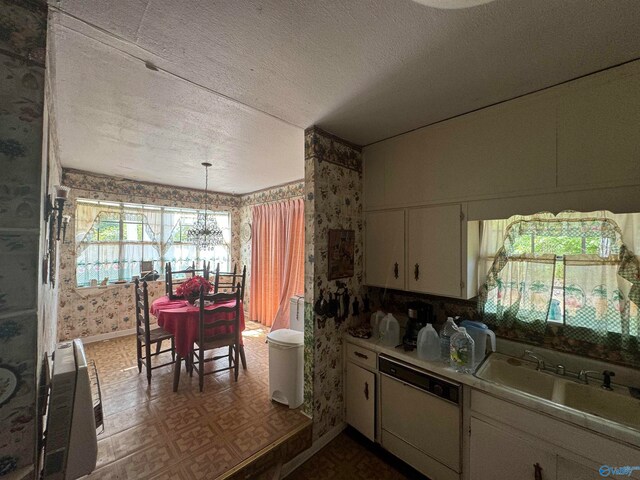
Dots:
pixel 176 372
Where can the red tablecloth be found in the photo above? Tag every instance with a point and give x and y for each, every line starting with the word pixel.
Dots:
pixel 182 319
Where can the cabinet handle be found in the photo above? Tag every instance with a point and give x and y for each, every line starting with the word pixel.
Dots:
pixel 416 272
pixel 395 270
pixel 537 475
pixel 366 396
pixel 361 355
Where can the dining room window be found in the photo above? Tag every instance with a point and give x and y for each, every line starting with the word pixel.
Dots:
pixel 118 241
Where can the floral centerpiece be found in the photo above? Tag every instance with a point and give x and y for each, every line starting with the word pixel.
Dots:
pixel 190 289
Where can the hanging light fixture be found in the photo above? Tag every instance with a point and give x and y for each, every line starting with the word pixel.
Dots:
pixel 206 233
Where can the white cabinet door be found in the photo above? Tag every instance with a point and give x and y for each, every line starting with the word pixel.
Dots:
pixel 570 470
pixel 384 249
pixel 496 454
pixel 598 129
pixel 501 149
pixel 360 400
pixel 435 250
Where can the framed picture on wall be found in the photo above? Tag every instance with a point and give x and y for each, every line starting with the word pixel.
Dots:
pixel 341 253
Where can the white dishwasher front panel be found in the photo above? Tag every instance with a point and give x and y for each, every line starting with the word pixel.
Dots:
pixel 429 423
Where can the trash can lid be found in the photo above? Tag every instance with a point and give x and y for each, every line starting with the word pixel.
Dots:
pixel 286 336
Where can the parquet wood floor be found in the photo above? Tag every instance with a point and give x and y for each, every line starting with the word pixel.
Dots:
pixel 153 433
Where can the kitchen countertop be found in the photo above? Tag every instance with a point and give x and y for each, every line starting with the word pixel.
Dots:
pixel 614 430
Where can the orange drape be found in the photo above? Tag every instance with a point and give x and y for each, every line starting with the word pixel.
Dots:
pixel 277 261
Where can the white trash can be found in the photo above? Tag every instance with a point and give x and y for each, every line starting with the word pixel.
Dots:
pixel 286 367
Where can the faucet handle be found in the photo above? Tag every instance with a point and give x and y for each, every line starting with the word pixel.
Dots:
pixel 606 382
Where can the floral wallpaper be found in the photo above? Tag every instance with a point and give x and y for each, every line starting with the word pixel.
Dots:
pixel 270 195
pixel 22 48
pixel 93 311
pixel 333 194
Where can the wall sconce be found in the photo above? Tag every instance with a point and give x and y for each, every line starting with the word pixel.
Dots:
pixel 54 210
pixel 65 223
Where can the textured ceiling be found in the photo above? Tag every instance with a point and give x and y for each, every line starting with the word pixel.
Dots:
pixel 364 70
pixel 115 116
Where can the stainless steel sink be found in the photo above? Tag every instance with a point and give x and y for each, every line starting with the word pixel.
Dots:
pixel 517 374
pixel 617 406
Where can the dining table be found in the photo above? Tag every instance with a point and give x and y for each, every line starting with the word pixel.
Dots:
pixel 182 319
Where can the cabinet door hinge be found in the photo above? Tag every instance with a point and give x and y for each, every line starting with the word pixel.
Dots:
pixel 461 215
pixel 469 430
pixel 461 283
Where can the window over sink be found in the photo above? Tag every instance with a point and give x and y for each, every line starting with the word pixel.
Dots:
pixel 575 271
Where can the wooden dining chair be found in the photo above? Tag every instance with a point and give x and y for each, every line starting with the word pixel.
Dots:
pixel 230 281
pixel 209 340
pixel 170 280
pixel 146 336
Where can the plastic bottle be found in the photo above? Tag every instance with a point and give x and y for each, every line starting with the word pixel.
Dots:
pixel 376 318
pixel 428 343
pixel 448 329
pixel 389 331
pixel 461 351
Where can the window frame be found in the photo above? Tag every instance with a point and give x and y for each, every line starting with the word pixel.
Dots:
pixel 161 247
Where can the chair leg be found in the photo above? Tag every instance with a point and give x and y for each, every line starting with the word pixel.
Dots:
pixel 173 349
pixel 190 366
pixel 147 351
pixel 243 358
pixel 236 362
pixel 201 370
pixel 158 346
pixel 139 354
pixel 176 373
pixel 230 354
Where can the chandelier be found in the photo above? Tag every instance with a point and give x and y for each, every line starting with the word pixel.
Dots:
pixel 205 233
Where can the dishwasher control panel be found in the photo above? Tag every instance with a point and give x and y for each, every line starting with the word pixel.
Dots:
pixel 419 379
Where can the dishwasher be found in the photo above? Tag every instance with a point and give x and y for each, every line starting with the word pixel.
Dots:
pixel 420 418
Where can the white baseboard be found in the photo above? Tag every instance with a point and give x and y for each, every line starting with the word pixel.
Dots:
pixel 318 445
pixel 111 335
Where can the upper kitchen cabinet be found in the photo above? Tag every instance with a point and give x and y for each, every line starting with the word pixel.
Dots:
pixel 442 251
pixel 503 149
pixel 384 249
pixel 599 129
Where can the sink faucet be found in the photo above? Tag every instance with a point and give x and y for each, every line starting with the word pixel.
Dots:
pixel 585 374
pixel 537 358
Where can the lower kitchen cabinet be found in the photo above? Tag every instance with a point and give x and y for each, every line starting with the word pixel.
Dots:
pixel 360 400
pixel 570 470
pixel 511 441
pixel 496 453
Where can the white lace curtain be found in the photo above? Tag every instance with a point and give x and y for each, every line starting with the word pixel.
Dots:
pixel 113 239
pixel 577 269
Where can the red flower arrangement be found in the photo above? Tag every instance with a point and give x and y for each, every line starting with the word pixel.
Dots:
pixel 190 289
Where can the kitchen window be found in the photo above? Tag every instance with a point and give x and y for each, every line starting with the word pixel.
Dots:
pixel 119 240
pixel 574 270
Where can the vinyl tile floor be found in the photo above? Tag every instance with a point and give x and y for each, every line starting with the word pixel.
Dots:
pixel 153 433
pixel 350 456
